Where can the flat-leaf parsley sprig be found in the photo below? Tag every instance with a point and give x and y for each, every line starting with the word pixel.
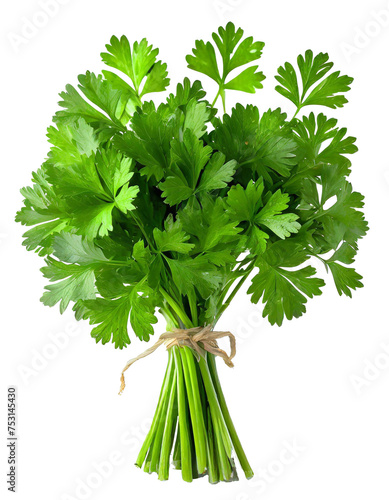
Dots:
pixel 139 208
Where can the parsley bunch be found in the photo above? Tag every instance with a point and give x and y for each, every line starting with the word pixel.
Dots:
pixel 139 208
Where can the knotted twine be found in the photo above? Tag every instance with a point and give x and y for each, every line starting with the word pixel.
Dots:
pixel 190 337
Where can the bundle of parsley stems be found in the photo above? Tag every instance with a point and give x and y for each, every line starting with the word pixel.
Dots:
pixel 139 208
pixel 203 441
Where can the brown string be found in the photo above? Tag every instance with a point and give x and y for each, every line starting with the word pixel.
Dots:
pixel 189 337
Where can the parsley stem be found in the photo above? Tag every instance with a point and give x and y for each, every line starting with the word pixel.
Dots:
pixel 186 458
pixel 234 291
pixel 231 281
pixel 157 416
pixel 171 321
pixel 173 304
pixel 297 111
pixel 193 306
pixel 158 436
pixel 227 417
pixel 217 95
pixel 168 432
pixel 223 440
pixel 223 94
pixel 213 471
pixel 192 390
pixel 141 227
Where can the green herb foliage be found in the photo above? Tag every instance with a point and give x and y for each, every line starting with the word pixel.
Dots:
pixel 139 207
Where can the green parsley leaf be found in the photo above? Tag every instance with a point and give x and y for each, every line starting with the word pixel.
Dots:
pixel 345 278
pixel 134 304
pixel 75 249
pixel 139 63
pixel 173 238
pixel 148 143
pixel 245 203
pixel 270 216
pixel 196 273
pixel 312 132
pixel 328 91
pixel 212 231
pixel 237 135
pixel 283 291
pixel 234 54
pixel 73 283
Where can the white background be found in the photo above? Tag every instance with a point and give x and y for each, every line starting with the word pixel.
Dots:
pixel 291 386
